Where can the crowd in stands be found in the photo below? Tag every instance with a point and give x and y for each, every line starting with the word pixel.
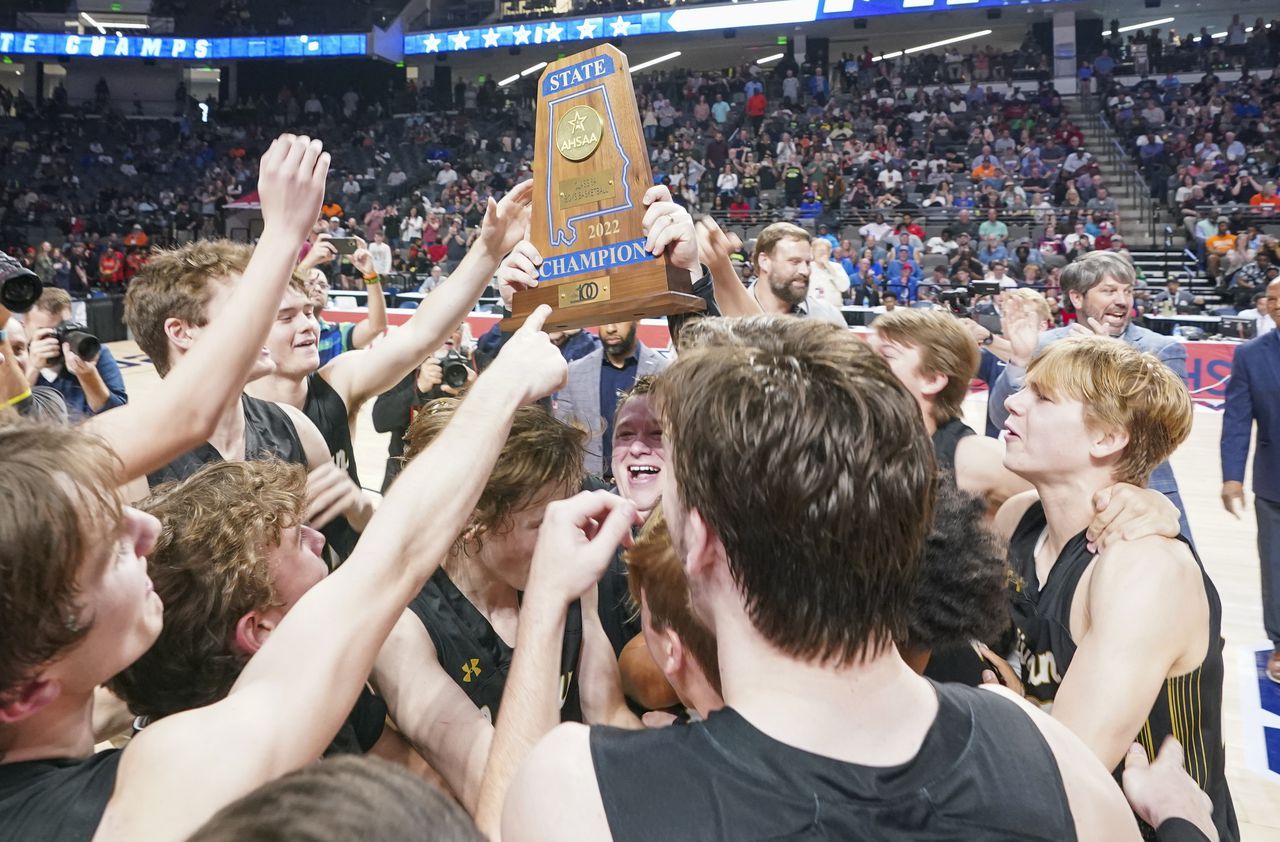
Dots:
pixel 1209 153
pixel 835 146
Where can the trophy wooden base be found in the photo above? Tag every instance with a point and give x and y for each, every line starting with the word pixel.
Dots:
pixel 623 297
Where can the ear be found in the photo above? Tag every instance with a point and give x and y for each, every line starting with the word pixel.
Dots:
pixel 180 333
pixel 672 650
pixel 704 550
pixel 932 384
pixel 1077 300
pixel 1108 444
pixel 253 629
pixel 33 697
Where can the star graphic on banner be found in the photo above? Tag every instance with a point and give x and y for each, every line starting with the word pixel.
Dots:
pixel 578 121
pixel 433 43
pixel 490 37
pixel 620 27
pixel 522 34
pixel 553 31
pixel 460 41
pixel 587 29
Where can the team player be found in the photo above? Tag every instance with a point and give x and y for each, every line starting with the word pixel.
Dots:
pixel 168 307
pixel 805 573
pixel 74 562
pixel 935 357
pixel 1125 643
pixel 331 396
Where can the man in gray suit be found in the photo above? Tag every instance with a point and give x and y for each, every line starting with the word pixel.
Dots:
pixel 590 396
pixel 1100 288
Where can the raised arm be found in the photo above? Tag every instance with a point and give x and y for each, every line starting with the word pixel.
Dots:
pixel 358 377
pixel 714 248
pixel 575 544
pixel 294 694
pixel 142 432
pixel 375 324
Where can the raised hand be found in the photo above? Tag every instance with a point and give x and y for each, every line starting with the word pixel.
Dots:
pixel 577 541
pixel 529 361
pixel 715 245
pixel 507 222
pixel 669 228
pixel 519 269
pixel 291 180
pixel 1022 328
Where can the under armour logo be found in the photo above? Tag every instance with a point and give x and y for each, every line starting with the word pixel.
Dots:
pixel 471 670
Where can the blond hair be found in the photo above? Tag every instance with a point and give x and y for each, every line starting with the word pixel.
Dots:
pixel 53 301
pixel 945 348
pixel 1121 389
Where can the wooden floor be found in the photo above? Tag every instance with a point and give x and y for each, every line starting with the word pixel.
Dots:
pixel 1227 546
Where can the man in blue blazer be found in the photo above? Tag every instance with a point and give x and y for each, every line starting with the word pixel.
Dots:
pixel 1253 394
pixel 1100 288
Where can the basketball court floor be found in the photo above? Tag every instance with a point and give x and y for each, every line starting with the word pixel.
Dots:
pixel 1251 707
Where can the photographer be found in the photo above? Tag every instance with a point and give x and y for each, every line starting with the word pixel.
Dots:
pixel 445 374
pixel 89 386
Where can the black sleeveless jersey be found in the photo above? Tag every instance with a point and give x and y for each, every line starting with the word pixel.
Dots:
pixel 956 663
pixel 945 440
pixel 267 432
pixel 1189 707
pixel 326 409
pixel 983 772
pixel 56 799
pixel 476 656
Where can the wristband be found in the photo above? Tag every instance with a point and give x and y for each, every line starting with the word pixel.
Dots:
pixel 372 278
pixel 18 399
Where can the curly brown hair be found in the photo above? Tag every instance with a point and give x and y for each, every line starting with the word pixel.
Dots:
pixel 538 451
pixel 210 567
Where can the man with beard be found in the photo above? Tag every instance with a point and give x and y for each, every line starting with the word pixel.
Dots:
pixel 1100 288
pixel 781 260
pixel 590 398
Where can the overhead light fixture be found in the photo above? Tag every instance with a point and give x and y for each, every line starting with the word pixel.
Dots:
pixel 534 69
pixel 1142 25
pixel 768 59
pixel 88 18
pixel 644 65
pixel 508 80
pixel 887 55
pixel 944 42
pixel 1219 35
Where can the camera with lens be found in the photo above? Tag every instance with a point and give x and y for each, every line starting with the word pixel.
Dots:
pixel 83 343
pixel 956 300
pixel 19 286
pixel 455 368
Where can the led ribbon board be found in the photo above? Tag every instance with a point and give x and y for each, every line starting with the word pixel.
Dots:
pixel 181 49
pixel 670 22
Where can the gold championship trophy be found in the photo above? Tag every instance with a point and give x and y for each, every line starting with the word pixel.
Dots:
pixel 590 174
